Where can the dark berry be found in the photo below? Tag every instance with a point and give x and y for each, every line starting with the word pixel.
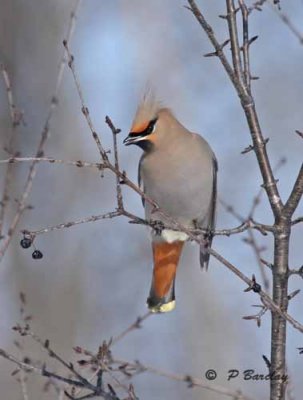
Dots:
pixel 37 255
pixel 26 243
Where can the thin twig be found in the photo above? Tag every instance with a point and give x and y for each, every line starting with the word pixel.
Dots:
pixel 188 379
pixel 257 5
pixel 84 108
pixel 92 218
pixel 115 132
pixel 26 367
pixel 295 196
pixel 135 325
pixel 134 219
pixel 251 237
pixel 78 163
pixel 297 221
pixel 22 206
pixel 257 198
pixel 23 384
pixel 245 46
pixel 16 118
pixel 234 41
pixel 248 106
pixel 287 21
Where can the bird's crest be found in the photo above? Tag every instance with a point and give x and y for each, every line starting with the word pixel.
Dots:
pixel 147 111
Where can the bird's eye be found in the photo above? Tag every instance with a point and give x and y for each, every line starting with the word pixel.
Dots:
pixel 151 127
pixel 147 131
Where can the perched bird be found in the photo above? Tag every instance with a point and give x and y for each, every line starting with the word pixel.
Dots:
pixel 178 170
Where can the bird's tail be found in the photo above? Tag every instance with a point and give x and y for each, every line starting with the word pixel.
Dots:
pixel 162 293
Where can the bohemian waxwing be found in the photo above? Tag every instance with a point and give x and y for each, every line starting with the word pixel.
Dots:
pixel 178 171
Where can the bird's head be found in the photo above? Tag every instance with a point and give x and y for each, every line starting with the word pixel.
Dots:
pixel 146 126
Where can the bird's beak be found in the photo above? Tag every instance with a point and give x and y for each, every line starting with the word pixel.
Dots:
pixel 130 139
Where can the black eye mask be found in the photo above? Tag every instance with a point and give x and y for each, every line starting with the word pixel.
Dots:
pixel 147 131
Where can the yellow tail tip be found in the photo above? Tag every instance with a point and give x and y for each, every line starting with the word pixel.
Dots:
pixel 162 308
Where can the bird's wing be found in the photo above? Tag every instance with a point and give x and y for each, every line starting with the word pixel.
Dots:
pixel 210 223
pixel 140 182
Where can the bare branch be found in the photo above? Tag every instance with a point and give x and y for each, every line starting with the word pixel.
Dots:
pixel 297 220
pixel 257 317
pixel 248 106
pixel 264 296
pixel 135 325
pixel 287 21
pixel 92 218
pixel 246 43
pixel 26 367
pixel 295 196
pixel 251 237
pixel 256 6
pixel 15 114
pixel 138 367
pixel 235 47
pixel 134 219
pixel 51 160
pixel 22 206
pixel 84 108
pixel 16 118
pixel 115 132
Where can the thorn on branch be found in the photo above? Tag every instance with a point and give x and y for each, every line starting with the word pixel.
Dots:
pixel 299 133
pixel 268 264
pixel 253 39
pixel 293 294
pixel 248 43
pixel 111 389
pixel 254 286
pixel 247 149
pixel 267 362
pixel 216 53
pixel 297 272
pixel 85 111
pixel 189 380
pixel 265 141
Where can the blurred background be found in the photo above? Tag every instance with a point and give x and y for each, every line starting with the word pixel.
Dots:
pixel 94 279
